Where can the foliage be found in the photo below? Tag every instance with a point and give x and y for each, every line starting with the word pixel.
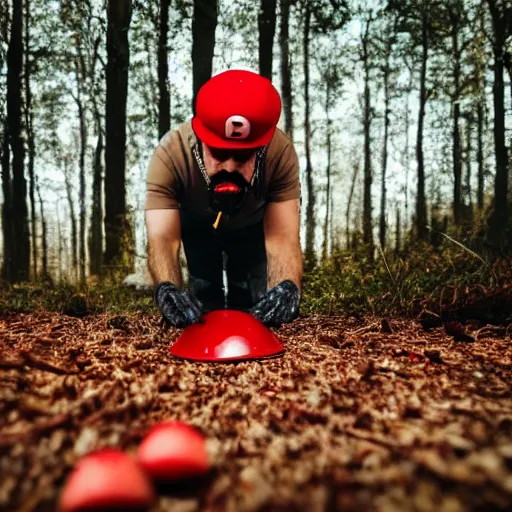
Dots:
pixel 74 300
pixel 393 285
pixel 347 283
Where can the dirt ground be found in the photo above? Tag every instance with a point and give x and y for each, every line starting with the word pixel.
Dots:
pixel 357 415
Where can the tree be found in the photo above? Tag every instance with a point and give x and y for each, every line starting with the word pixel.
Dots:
pixel 29 125
pixel 118 60
pixel 457 19
pixel 66 161
pixel 204 24
pixel 44 234
pixel 353 181
pixel 420 22
pixel 310 208
pixel 96 235
pixel 81 73
pixel 164 101
pixel 367 119
pixel 421 203
pixel 318 17
pixel 266 30
pixel 501 16
pixel 478 59
pixel 468 160
pixel 15 214
pixel 331 78
pixel 386 50
pixel 286 82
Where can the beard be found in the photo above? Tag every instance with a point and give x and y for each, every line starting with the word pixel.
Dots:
pixel 227 191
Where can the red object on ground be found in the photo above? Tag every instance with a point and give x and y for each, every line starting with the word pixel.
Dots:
pixel 173 451
pixel 107 480
pixel 227 335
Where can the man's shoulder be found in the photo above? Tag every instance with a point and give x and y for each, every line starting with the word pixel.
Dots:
pixel 281 149
pixel 280 141
pixel 182 138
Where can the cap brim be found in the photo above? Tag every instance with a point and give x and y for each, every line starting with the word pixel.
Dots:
pixel 214 141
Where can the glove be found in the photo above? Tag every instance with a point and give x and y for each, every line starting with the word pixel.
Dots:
pixel 178 307
pixel 279 305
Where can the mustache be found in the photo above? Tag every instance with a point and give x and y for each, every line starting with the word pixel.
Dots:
pixel 234 177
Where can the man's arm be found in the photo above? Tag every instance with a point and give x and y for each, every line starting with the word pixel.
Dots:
pixel 282 242
pixel 164 241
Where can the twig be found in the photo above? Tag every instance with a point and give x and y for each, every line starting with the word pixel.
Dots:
pixel 390 274
pixel 366 328
pixel 495 277
pixel 45 366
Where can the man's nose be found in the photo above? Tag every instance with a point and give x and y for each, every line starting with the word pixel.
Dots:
pixel 230 165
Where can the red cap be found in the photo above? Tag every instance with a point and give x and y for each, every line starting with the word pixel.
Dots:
pixel 236 109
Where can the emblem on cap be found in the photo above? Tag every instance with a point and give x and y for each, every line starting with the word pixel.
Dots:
pixel 238 127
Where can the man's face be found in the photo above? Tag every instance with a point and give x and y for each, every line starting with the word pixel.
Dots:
pixel 241 160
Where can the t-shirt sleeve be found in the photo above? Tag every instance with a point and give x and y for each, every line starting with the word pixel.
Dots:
pixel 162 183
pixel 284 183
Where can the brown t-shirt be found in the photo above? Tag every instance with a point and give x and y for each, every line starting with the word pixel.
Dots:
pixel 175 180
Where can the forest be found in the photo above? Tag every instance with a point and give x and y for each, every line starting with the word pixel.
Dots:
pixel 393 392
pixel 401 118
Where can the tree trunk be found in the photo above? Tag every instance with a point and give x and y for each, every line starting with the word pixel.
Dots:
pixel 456 152
pixel 118 52
pixel 480 154
pixel 310 209
pixel 60 243
pixel 204 24
pixel 266 29
pixel 74 230
pixel 480 69
pixel 44 235
pixel 331 225
pixel 164 100
pixel 367 193
pixel 96 231
pixel 421 205
pixel 398 237
pixel 29 123
pixel 499 215
pixel 286 82
pixel 349 203
pixel 150 93
pixel 407 155
pixel 19 264
pixel 469 149
pixel 387 99
pixel 7 233
pixel 325 244
pixel 81 73
pixel 96 235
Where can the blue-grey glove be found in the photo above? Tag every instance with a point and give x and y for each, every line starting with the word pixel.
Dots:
pixel 178 307
pixel 279 305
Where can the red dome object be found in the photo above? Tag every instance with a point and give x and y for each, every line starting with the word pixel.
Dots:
pixel 107 479
pixel 173 450
pixel 227 335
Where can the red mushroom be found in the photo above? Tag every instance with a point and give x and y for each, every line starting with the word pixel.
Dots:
pixel 107 479
pixel 173 451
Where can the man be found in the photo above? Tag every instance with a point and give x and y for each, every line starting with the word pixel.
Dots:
pixel 226 185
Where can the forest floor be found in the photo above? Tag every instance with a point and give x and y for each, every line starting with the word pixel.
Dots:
pixel 359 414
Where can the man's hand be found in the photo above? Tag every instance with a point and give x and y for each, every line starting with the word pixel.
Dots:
pixel 178 307
pixel 279 305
